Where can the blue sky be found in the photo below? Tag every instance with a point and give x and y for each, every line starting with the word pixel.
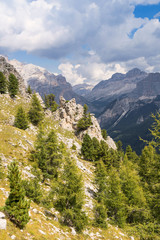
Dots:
pixel 85 43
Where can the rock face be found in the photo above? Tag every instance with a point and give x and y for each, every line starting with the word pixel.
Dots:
pixel 7 69
pixel 45 82
pixel 70 113
pixel 3 221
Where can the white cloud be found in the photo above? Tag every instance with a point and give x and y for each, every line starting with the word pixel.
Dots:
pixel 91 35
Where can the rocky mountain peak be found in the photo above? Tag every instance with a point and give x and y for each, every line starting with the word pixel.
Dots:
pixel 134 72
pixel 70 113
pixel 7 69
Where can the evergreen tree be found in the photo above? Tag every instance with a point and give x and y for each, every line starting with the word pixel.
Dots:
pixel 131 155
pixel 85 121
pixel 29 90
pixel 119 146
pixel 50 102
pixel 135 199
pixel 101 208
pixel 104 134
pixel 70 197
pixel 115 199
pixel 87 147
pixel 21 119
pixel 36 112
pixel 33 190
pixel 16 205
pixel 3 83
pixel 13 85
pixel 96 148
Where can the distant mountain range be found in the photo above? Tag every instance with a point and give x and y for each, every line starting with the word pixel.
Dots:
pixel 44 82
pixel 123 104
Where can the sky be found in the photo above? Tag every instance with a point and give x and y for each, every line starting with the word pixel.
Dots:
pixel 86 41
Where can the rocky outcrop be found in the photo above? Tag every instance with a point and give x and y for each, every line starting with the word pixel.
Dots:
pixel 70 113
pixel 7 69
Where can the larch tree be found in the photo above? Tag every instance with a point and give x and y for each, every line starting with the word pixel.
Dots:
pixel 16 206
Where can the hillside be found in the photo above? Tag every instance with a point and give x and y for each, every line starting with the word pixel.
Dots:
pixel 16 144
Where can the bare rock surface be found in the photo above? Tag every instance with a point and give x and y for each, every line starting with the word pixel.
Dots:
pixel 3 221
pixel 70 113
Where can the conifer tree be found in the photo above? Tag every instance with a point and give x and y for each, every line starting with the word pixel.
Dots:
pixel 36 112
pixel 136 204
pixel 104 134
pixel 13 85
pixel 50 102
pixel 96 148
pixel 3 83
pixel 101 208
pixel 29 90
pixel 87 147
pixel 33 190
pixel 21 119
pixel 70 197
pixel 115 198
pixel 16 205
pixel 1 170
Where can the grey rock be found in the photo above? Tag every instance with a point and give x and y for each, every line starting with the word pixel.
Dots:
pixel 3 221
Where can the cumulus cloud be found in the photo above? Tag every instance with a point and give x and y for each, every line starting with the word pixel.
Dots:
pixel 92 35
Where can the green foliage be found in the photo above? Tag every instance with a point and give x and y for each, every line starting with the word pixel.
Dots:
pixel 35 113
pixel 74 147
pixel 47 154
pixel 119 146
pixel 29 90
pixel 3 83
pixel 21 119
pixel 16 205
pixel 135 199
pixel 85 121
pixel 50 102
pixel 13 85
pixel 100 209
pixel 87 147
pixel 70 197
pixel 33 190
pixel 104 134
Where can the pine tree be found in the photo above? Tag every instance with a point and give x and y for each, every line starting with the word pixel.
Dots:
pixel 33 190
pixel 87 147
pixel 3 83
pixel 36 112
pixel 16 205
pixel 21 119
pixel 13 85
pixel 70 197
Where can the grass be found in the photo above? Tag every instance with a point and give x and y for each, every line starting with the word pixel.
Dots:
pixel 16 144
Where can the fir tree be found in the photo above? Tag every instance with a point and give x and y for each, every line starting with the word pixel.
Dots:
pixel 13 85
pixel 16 205
pixel 33 190
pixel 87 147
pixel 21 119
pixel 70 197
pixel 36 112
pixel 3 83
pixel 85 121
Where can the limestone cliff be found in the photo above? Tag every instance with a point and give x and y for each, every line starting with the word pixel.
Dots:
pixel 7 69
pixel 70 113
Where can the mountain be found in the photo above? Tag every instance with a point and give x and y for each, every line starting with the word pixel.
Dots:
pixel 82 89
pixel 44 82
pixel 128 116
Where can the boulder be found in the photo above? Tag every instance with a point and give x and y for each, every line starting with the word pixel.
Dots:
pixel 3 221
